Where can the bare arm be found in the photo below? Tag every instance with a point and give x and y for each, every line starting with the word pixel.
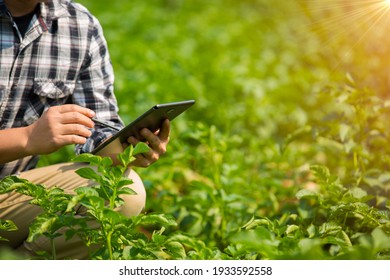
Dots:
pixel 12 144
pixel 59 126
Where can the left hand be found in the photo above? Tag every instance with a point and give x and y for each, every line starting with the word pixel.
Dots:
pixel 157 143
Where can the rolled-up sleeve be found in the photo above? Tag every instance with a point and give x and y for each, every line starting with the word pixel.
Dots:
pixel 95 88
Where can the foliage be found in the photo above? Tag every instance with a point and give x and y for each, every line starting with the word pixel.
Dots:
pixel 285 154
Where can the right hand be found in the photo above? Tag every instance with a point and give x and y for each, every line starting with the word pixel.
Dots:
pixel 59 126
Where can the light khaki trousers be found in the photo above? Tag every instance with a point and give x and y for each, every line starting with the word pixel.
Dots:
pixel 16 207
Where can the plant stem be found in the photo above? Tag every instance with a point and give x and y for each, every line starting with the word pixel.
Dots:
pixel 108 243
pixel 53 249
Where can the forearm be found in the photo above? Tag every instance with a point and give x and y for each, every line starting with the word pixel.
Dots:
pixel 13 144
pixel 57 127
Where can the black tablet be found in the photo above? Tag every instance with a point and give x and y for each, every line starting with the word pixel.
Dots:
pixel 151 119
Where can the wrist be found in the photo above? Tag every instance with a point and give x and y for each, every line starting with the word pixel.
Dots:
pixel 14 144
pixel 26 143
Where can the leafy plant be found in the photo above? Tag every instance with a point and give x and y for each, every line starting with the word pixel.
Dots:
pixel 7 225
pixel 285 155
pixel 102 225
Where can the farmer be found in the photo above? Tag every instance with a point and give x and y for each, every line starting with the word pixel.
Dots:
pixel 55 75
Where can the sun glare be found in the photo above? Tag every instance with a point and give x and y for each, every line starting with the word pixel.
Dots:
pixel 364 22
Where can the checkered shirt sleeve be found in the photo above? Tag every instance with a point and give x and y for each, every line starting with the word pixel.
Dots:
pixel 63 58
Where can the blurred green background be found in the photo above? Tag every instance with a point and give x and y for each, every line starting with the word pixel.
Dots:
pixel 280 86
pixel 254 67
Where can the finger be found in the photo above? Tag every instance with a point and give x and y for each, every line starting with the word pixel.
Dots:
pixel 71 139
pixel 75 108
pixel 76 118
pixel 154 141
pixel 144 159
pixel 75 129
pixel 132 140
pixel 165 130
pixel 141 161
pixel 150 137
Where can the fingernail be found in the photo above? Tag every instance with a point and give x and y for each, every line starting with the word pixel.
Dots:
pixel 144 131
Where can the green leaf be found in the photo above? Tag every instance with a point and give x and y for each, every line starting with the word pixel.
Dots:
pixel 373 182
pixel 124 182
pixel 157 236
pixel 321 172
pixel 160 219
pixel 127 191
pixel 88 173
pixel 296 135
pixel 7 184
pixel 89 158
pixel 126 157
pixel 329 229
pixel 112 216
pixel 344 130
pixel 75 200
pixel 141 148
pixel 87 191
pixel 42 224
pixel 260 240
pixel 254 223
pixel 358 193
pixel 380 239
pixel 55 191
pixel 345 238
pixel 188 241
pixel 106 162
pixel 30 189
pixel 306 194
pixel 93 202
pixel 7 225
pixel 312 231
pixel 116 172
pixel 291 229
pixel 176 249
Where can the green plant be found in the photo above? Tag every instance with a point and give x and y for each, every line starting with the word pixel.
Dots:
pixel 102 226
pixel 281 158
pixel 7 225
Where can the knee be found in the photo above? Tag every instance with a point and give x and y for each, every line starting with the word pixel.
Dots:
pixel 134 204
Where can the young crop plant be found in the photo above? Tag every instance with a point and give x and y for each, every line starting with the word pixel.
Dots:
pixel 343 208
pixel 6 225
pixel 283 158
pixel 108 233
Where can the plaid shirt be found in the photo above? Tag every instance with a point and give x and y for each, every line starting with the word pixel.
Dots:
pixel 63 58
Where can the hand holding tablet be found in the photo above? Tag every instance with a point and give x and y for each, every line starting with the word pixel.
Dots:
pixel 151 119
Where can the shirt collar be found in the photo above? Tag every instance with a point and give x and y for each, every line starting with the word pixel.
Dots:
pixel 3 8
pixel 52 10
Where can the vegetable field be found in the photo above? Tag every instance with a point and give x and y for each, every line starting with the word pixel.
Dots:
pixel 286 153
